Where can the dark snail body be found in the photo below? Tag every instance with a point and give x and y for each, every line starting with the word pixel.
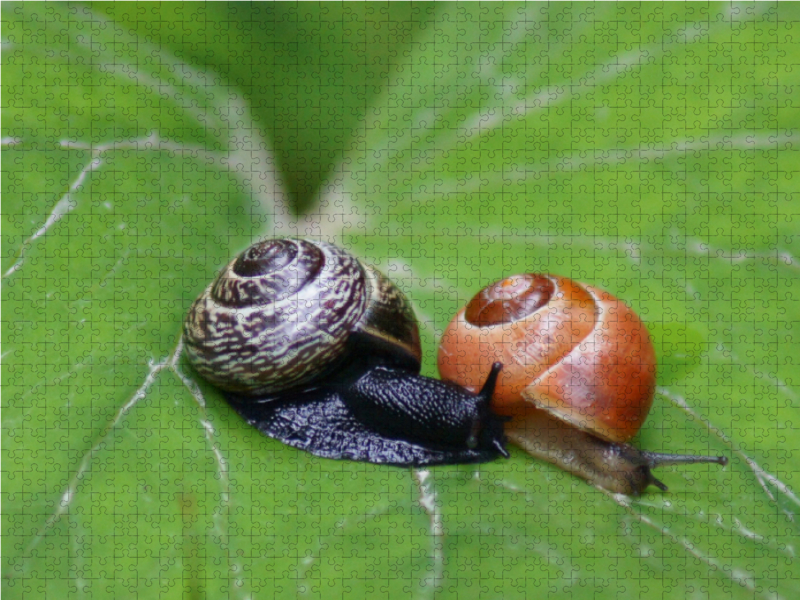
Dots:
pixel 322 353
pixel 374 420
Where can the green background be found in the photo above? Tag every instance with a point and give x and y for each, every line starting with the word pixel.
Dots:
pixel 648 149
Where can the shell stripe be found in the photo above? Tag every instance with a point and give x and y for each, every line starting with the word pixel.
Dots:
pixel 270 332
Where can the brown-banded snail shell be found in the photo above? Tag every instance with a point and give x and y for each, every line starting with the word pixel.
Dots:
pixel 322 352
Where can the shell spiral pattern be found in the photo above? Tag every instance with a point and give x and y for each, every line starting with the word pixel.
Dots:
pixel 275 314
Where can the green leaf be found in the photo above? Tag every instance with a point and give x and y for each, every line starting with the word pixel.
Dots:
pixel 650 150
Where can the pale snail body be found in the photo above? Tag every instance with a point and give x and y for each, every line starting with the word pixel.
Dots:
pixel 322 353
pixel 578 377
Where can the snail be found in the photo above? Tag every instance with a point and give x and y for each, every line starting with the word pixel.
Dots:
pixel 578 378
pixel 322 353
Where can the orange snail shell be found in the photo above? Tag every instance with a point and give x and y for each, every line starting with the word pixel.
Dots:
pixel 568 348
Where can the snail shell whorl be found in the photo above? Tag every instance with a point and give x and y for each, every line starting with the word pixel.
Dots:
pixel 568 348
pixel 279 313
